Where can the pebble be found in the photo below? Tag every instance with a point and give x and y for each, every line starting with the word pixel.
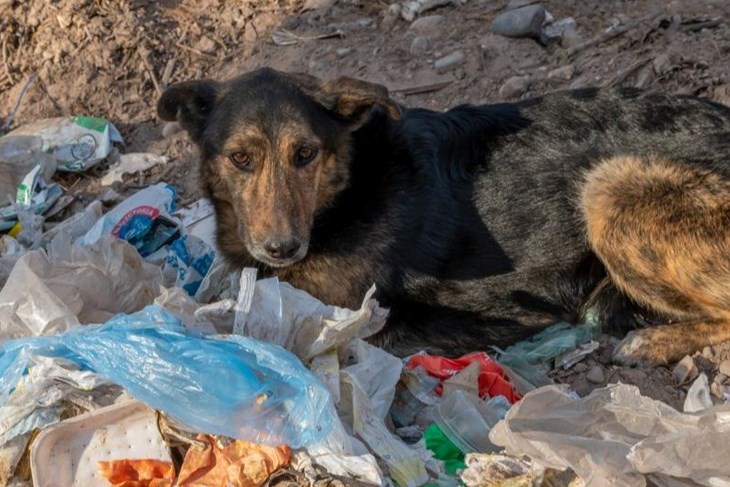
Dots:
pixel 562 73
pixel 205 44
pixel 449 61
pixel 685 370
pixel 427 23
pixel 521 22
pixel 343 51
pixel 419 45
pixel 662 63
pixel 724 367
pixel 555 31
pixel 720 378
pixel 708 353
pixel 515 87
pixel 580 367
pixel 595 375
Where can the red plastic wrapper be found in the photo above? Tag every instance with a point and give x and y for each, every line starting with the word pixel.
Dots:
pixel 492 379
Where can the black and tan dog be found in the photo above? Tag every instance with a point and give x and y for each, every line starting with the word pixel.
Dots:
pixel 481 223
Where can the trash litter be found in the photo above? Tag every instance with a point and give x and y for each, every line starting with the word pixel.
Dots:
pixel 69 453
pixel 498 470
pixel 370 386
pixel 240 463
pixel 698 395
pixel 444 449
pixel 138 473
pixel 276 312
pixel 615 436
pixel 412 8
pixel 466 420
pixel 531 359
pixel 70 284
pixel 142 219
pixel 50 389
pixel 231 386
pixel 19 155
pixel 492 379
pixel 77 143
pixel 130 164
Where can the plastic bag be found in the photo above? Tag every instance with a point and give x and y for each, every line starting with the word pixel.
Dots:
pixel 615 435
pixel 77 143
pixel 51 291
pixel 231 386
pixel 492 379
pixel 142 220
pixel 530 359
pixel 467 419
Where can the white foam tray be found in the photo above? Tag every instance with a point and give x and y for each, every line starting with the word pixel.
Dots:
pixel 67 454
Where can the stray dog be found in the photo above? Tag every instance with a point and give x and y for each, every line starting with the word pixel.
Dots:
pixel 482 223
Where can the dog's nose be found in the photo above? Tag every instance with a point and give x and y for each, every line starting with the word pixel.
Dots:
pixel 282 248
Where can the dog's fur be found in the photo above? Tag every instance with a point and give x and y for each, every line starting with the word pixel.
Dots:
pixel 480 224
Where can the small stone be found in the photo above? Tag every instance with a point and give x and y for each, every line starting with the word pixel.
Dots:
pixel 555 32
pixel 205 44
pixel 513 4
pixel 708 353
pixel 685 370
pixel 428 23
pixel 662 63
pixel 449 61
pixel 580 367
pixel 724 367
pixel 419 45
pixel 515 87
pixel 343 51
pixel 720 378
pixel 562 73
pixel 595 375
pixel 521 22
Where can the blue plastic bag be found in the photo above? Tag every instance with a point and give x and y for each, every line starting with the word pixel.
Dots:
pixel 225 385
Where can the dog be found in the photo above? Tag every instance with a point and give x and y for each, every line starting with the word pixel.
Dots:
pixel 482 224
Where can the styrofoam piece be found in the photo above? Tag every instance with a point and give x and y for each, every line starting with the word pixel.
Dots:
pixel 67 454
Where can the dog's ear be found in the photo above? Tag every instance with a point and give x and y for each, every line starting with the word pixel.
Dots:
pixel 189 103
pixel 348 97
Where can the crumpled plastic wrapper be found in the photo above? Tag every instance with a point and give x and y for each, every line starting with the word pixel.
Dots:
pixel 616 437
pixel 70 284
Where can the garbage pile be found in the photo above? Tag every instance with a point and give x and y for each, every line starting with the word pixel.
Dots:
pixel 130 355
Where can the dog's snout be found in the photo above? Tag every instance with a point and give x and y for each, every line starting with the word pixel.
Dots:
pixel 282 248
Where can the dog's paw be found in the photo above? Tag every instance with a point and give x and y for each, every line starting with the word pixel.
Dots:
pixel 643 348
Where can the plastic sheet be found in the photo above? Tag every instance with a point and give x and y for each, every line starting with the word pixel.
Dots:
pixel 231 386
pixel 530 359
pixel 139 219
pixel 69 284
pixel 492 379
pixel 615 436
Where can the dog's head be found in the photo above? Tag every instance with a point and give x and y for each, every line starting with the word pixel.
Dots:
pixel 275 150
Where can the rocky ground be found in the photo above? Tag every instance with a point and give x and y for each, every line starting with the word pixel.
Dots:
pixel 112 58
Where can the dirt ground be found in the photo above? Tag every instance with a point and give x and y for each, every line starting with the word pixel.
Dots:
pixel 112 58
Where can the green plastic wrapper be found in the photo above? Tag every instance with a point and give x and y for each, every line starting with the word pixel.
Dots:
pixel 444 449
pixel 531 359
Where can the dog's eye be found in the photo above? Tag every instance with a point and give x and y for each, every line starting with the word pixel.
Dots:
pixel 240 159
pixel 305 155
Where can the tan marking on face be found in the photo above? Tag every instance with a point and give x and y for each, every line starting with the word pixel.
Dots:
pixel 276 199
